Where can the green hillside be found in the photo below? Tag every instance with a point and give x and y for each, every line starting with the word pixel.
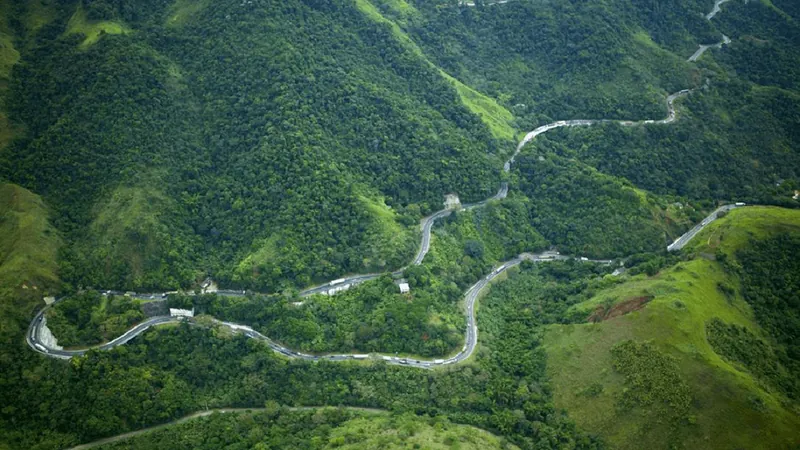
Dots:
pixel 29 248
pixel 239 145
pixel 8 57
pixel 558 60
pixel 316 429
pixel 274 145
pixel 303 141
pixel 29 244
pixel 738 135
pixel 659 367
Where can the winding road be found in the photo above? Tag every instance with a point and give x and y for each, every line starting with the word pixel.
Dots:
pixel 725 41
pixel 208 412
pixel 689 235
pixel 35 336
pixel 716 9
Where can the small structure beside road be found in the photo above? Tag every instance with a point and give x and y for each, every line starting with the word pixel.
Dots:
pixel 209 286
pixel 177 312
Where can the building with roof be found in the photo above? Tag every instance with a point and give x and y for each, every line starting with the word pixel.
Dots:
pixel 176 312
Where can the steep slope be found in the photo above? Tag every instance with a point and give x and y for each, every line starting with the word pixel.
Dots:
pixel 666 374
pixel 332 429
pixel 562 60
pixel 29 247
pixel 29 243
pixel 8 57
pixel 265 149
pixel 738 136
pixel 585 212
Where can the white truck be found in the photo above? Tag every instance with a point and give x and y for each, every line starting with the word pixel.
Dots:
pixel 340 280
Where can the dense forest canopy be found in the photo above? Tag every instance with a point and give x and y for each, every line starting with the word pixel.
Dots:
pixel 281 144
pixel 274 145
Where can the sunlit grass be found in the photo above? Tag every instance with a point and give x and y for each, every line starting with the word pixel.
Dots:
pixel 28 243
pixel 685 297
pixel 78 24
pixel 496 117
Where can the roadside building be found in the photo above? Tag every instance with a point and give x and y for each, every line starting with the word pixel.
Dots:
pixel 336 289
pixel 177 312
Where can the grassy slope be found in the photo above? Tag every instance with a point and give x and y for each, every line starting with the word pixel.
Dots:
pixel 8 57
pixel 367 430
pixel 492 113
pixel 479 49
pixel 93 30
pixel 183 10
pixel 118 230
pixel 385 241
pixel 685 298
pixel 28 249
pixel 129 234
pixel 392 433
pixel 742 226
pixel 28 243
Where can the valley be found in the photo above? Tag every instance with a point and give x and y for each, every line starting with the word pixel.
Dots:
pixel 630 283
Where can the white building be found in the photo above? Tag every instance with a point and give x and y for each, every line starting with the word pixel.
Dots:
pixel 404 288
pixel 175 312
pixel 337 289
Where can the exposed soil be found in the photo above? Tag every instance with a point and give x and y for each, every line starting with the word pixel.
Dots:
pixel 603 312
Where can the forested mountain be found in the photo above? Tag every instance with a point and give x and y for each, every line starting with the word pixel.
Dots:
pixel 740 135
pixel 568 59
pixel 277 145
pixel 699 350
pixel 271 133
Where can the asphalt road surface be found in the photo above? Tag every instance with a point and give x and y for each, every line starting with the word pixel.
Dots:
pixel 689 235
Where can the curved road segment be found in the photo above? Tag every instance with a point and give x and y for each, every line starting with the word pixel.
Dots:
pixel 35 330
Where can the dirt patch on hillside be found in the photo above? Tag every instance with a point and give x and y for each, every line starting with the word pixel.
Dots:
pixel 605 312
